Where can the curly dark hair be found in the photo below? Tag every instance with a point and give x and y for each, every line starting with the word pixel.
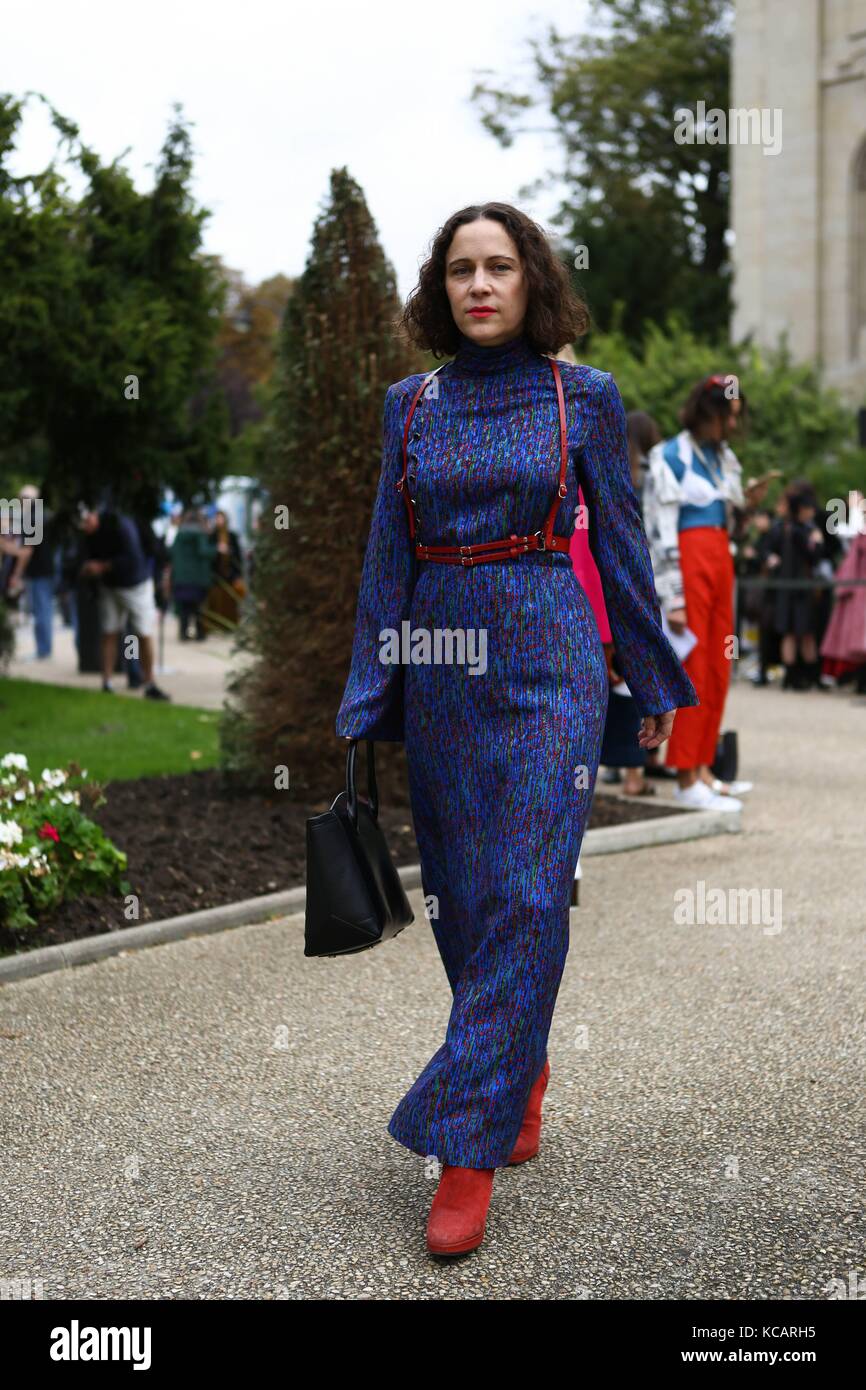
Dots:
pixel 555 313
pixel 709 400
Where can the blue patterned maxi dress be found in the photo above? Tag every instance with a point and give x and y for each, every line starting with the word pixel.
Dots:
pixel 501 764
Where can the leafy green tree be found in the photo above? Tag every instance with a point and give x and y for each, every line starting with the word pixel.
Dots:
pixel 115 311
pixel 39 274
pixel 320 464
pixel 651 212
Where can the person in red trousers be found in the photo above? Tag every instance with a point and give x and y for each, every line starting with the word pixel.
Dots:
pixel 694 484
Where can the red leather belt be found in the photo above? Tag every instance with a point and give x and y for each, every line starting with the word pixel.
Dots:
pixel 508 546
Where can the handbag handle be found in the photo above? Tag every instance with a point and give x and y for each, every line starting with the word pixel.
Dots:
pixel 372 790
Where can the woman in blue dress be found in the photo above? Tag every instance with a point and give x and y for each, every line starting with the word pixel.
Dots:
pixel 502 744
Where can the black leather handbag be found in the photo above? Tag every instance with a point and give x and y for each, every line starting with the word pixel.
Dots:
pixel 355 897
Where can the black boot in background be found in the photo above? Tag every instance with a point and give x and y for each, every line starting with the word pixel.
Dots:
pixel 793 676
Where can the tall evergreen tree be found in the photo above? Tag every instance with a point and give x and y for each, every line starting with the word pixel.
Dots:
pixel 321 458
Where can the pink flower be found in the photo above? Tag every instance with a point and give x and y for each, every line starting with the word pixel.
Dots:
pixel 48 832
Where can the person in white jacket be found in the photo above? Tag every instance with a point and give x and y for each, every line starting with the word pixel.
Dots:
pixel 693 485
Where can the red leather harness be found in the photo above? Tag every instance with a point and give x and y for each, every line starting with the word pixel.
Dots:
pixel 509 545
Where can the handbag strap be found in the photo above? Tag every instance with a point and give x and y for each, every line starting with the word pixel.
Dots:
pixel 372 789
pixel 400 486
pixel 562 487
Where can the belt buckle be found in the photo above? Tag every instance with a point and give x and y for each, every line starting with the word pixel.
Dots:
pixel 540 537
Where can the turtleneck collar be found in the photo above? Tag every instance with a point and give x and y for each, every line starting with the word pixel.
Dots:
pixel 475 359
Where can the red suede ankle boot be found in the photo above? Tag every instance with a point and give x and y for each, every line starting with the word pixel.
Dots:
pixel 529 1138
pixel 459 1212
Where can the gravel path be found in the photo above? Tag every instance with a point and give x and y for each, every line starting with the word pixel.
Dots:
pixel 207 1119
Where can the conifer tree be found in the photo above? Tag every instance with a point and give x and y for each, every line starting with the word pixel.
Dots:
pixel 339 351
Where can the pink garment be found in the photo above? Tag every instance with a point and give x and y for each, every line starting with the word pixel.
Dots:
pixel 845 638
pixel 587 572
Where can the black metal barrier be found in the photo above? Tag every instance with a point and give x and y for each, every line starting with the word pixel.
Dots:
pixel 757 582
pixel 760 582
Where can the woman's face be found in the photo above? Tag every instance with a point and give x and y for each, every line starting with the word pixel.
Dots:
pixel 483 271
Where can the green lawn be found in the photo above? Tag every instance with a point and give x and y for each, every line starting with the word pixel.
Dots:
pixel 115 738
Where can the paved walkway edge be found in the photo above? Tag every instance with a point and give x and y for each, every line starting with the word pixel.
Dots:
pixel 686 825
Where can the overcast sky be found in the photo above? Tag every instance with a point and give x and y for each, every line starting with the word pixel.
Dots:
pixel 280 94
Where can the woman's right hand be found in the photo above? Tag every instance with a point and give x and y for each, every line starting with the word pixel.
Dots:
pixel 677 620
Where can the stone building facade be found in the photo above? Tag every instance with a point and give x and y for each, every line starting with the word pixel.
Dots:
pixel 799 216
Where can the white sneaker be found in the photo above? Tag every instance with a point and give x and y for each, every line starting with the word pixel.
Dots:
pixel 700 797
pixel 736 788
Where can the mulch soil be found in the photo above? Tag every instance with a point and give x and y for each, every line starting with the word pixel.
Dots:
pixel 193 844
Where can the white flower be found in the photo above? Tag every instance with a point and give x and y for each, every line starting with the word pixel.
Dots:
pixel 68 798
pixel 10 832
pixel 20 795
pixel 14 760
pixel 33 860
pixel 10 860
pixel 53 777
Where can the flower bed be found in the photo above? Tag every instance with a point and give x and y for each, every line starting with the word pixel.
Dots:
pixel 193 844
pixel 51 852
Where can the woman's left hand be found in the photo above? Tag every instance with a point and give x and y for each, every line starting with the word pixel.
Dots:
pixel 655 729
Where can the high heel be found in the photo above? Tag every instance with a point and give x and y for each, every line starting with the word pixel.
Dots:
pixel 458 1216
pixel 529 1138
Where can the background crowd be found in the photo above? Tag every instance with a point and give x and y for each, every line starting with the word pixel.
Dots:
pixel 735 578
pixel 130 569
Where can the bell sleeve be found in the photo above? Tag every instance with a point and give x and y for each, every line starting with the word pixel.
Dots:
pixel 646 659
pixel 372 704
